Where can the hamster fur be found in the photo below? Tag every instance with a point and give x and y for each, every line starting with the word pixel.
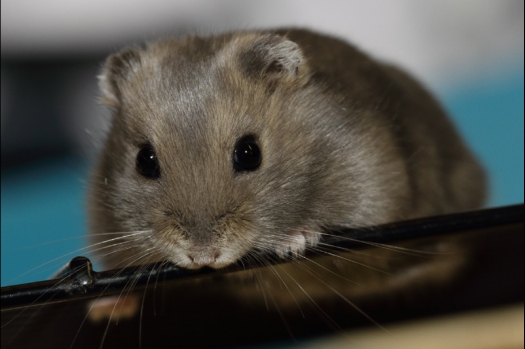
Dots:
pixel 345 141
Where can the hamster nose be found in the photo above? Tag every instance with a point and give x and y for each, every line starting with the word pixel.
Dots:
pixel 203 260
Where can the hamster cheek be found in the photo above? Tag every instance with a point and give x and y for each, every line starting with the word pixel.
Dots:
pixel 296 242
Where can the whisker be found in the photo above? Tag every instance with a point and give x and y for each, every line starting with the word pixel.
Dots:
pixel 143 301
pixel 328 270
pixel 86 236
pixel 350 260
pixel 71 253
pixel 120 295
pixel 357 308
pixel 272 268
pixel 311 299
pixel 353 251
pixel 40 296
pixel 388 247
pixel 155 288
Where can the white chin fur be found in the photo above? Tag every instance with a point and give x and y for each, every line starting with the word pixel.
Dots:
pixel 201 261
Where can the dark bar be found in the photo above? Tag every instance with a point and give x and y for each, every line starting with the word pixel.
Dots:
pixel 467 261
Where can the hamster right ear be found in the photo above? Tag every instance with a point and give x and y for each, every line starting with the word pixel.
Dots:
pixel 275 58
pixel 116 69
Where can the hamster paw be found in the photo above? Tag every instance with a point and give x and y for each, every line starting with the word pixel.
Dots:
pixel 296 242
pixel 114 308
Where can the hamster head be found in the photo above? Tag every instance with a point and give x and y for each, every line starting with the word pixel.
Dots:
pixel 220 147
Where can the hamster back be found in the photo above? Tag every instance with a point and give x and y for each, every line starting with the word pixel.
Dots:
pixel 228 146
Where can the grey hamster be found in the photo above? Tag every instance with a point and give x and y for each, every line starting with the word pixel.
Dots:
pixel 255 141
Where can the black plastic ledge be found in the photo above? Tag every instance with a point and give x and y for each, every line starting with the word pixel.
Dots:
pixel 78 279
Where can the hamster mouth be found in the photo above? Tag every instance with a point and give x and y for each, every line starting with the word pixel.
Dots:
pixel 199 259
pixel 295 242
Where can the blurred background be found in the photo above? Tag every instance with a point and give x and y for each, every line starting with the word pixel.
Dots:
pixel 470 53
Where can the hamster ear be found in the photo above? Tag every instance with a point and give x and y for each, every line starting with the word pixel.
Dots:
pixel 276 58
pixel 116 69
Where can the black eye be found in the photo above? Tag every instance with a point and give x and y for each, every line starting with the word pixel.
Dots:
pixel 246 155
pixel 147 163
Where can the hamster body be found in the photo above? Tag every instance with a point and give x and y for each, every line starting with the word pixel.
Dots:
pixel 222 147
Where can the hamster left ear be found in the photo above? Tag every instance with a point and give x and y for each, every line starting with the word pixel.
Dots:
pixel 116 69
pixel 274 57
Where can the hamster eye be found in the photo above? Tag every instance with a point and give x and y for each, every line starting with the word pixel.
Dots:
pixel 246 154
pixel 147 163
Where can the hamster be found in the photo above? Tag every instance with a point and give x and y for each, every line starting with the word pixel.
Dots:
pixel 250 142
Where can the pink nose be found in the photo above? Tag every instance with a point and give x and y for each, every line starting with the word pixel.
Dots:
pixel 203 259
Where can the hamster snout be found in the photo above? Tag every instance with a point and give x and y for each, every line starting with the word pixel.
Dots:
pixel 231 146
